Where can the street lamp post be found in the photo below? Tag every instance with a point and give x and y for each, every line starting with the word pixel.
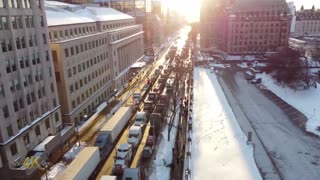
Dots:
pixel 77 127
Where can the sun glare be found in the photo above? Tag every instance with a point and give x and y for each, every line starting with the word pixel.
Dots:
pixel 188 8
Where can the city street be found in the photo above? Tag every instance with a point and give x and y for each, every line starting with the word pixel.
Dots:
pixel 294 154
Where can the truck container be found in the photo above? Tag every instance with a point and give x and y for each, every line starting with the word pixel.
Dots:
pixel 83 165
pixel 117 122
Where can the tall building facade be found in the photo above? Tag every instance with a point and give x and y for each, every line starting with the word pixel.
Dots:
pixel 247 27
pixel 307 22
pixel 92 50
pixel 29 104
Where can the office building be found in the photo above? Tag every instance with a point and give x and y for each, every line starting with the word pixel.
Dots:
pixel 307 22
pixel 245 26
pixel 29 104
pixel 92 48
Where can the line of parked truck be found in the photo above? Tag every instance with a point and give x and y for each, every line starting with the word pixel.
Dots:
pixel 155 97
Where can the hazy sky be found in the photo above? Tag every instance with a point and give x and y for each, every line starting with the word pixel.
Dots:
pixel 306 3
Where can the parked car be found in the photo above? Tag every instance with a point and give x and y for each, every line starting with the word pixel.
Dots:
pixel 256 81
pixel 249 75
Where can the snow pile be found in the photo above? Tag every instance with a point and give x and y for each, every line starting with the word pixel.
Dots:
pixel 161 165
pixel 306 101
pixel 58 168
pixel 219 148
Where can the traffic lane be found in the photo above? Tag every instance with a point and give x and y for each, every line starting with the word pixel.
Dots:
pixel 295 154
pixel 135 163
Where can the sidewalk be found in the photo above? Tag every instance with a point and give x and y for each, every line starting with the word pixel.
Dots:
pixel 262 158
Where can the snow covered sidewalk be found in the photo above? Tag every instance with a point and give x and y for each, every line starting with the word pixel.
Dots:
pixel 219 148
pixel 306 101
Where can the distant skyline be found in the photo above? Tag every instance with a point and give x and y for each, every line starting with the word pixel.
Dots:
pixel 307 4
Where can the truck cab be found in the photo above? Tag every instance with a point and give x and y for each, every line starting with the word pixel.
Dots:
pixel 133 174
pixel 135 135
pixel 102 142
pixel 136 97
pixel 124 152
pixel 141 119
pixel 119 166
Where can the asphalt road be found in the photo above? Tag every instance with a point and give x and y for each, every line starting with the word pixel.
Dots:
pixel 294 154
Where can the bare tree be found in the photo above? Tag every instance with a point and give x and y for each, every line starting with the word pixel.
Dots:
pixel 315 52
pixel 288 66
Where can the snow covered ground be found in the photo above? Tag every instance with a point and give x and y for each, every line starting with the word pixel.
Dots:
pixel 306 101
pixel 160 166
pixel 59 168
pixel 219 148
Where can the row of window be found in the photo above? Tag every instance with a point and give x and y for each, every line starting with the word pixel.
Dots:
pixel 68 52
pixel 26 138
pixel 256 31
pixel 123 35
pixel 17 3
pixel 254 49
pixel 88 93
pixel 20 42
pixel 30 98
pixel 116 25
pixel 88 64
pixel 235 43
pixel 257 25
pixel 89 109
pixel 68 33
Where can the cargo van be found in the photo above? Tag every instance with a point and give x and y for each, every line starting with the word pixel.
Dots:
pixel 135 135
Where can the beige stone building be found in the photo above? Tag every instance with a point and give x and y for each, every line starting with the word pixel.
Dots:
pixel 307 22
pixel 92 50
pixel 29 104
pixel 247 27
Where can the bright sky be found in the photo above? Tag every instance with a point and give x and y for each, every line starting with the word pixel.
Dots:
pixel 189 8
pixel 307 4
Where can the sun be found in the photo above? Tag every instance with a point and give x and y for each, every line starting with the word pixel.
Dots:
pixel 188 8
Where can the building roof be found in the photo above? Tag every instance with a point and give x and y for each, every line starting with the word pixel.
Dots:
pixel 57 16
pixel 257 5
pixel 59 13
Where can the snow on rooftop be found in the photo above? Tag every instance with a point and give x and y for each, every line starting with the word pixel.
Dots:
pixel 57 16
pixel 108 14
pixel 41 147
pixel 59 13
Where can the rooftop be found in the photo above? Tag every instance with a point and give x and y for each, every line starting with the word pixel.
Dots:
pixel 257 5
pixel 59 13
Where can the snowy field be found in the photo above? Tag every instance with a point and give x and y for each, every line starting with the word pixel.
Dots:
pixel 219 148
pixel 306 101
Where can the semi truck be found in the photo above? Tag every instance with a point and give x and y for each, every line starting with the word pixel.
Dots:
pixel 83 165
pixel 111 130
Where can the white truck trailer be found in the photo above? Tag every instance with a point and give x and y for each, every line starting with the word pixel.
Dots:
pixel 117 122
pixel 83 165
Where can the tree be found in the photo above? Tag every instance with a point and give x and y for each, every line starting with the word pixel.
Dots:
pixel 288 67
pixel 315 52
